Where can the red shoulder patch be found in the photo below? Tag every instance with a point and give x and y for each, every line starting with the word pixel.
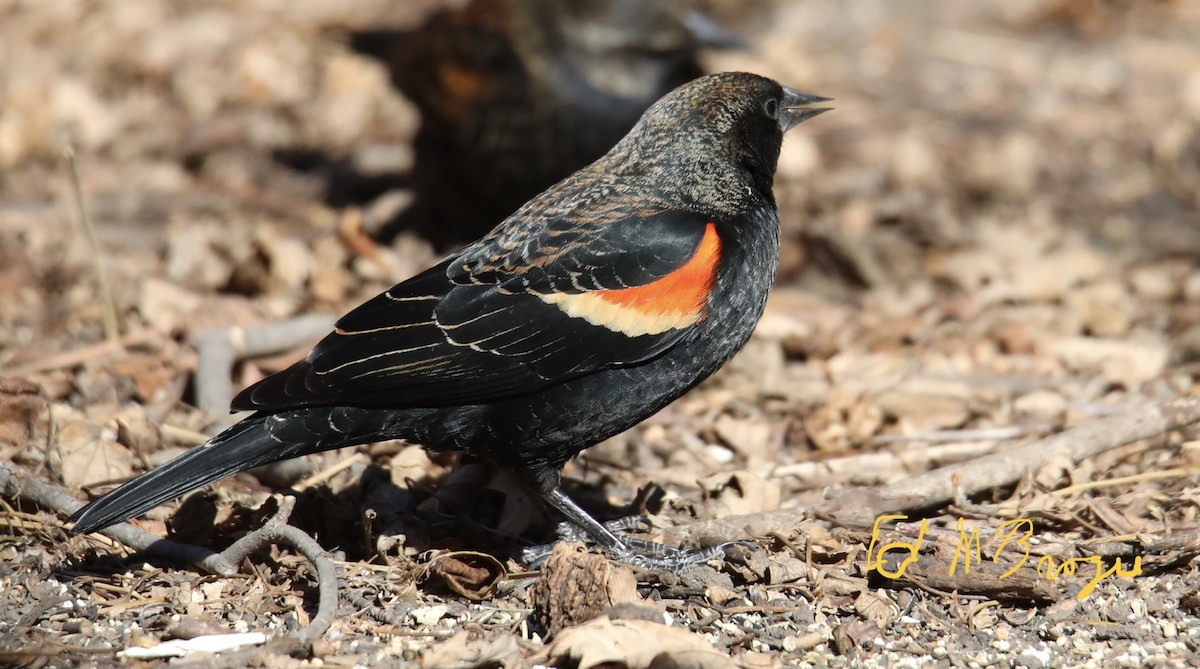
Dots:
pixel 677 300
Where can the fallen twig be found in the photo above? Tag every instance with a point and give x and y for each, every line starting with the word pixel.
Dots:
pixel 860 507
pixel 220 349
pixel 330 472
pixel 380 614
pixel 276 530
pixel 984 579
pixel 1124 480
pixel 999 433
pixel 182 435
pixel 16 483
pixel 82 355
pixel 869 468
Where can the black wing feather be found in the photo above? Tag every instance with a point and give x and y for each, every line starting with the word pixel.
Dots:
pixel 632 250
pixel 469 331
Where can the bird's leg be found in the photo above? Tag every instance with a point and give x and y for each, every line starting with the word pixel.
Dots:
pixel 600 534
pixel 633 552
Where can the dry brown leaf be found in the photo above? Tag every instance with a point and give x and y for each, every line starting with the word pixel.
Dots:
pixel 826 429
pixel 854 372
pixel 1012 336
pixel 930 403
pixel 1105 307
pixel 472 575
pixel 854 634
pixel 1040 405
pixel 1161 280
pixel 212 590
pixel 634 644
pixel 817 534
pixel 863 420
pixel 691 659
pixel 719 595
pixel 191 259
pixel 166 305
pixel 461 651
pixel 290 263
pixel 137 432
pixel 329 282
pixel 740 493
pixel 1122 360
pixel 785 569
pixel 876 609
pixel 91 454
pixel 836 582
pixel 349 97
pixel 750 438
pixel 21 402
pixel 153 375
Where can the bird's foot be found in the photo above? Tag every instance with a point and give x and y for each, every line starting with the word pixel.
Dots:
pixel 653 556
pixel 639 553
pixel 570 532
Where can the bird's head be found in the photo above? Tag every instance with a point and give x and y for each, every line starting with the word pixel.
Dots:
pixel 716 139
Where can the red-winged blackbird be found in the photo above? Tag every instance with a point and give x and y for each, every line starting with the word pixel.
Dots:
pixel 590 308
pixel 517 94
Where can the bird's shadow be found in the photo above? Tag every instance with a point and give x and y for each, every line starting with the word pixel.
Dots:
pixel 473 505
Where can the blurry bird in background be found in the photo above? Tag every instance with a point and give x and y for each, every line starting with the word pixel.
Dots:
pixel 517 94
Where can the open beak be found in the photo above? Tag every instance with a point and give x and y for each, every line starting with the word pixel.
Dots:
pixel 795 109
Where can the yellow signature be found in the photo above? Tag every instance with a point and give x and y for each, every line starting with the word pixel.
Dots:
pixel 1012 535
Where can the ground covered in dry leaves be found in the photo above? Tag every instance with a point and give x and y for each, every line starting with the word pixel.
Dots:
pixel 995 238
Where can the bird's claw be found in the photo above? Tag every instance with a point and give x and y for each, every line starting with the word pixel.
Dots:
pixel 653 556
pixel 570 532
pixel 638 553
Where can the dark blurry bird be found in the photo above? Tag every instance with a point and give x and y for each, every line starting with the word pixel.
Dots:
pixel 589 309
pixel 517 94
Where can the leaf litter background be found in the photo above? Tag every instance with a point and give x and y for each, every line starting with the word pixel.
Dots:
pixel 995 236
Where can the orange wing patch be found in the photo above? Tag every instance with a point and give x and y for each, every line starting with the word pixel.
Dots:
pixel 677 300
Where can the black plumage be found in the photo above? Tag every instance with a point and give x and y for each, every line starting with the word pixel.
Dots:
pixel 590 308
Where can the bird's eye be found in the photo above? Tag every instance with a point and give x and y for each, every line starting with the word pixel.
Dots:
pixel 772 108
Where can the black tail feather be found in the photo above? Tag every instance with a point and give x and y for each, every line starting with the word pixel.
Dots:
pixel 250 443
